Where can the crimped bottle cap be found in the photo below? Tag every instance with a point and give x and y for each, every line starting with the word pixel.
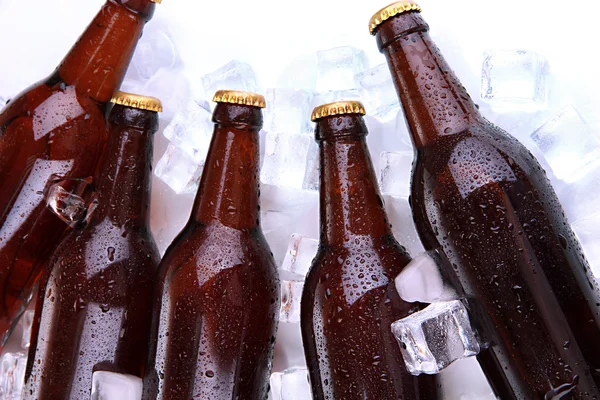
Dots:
pixel 156 1
pixel 137 101
pixel 241 98
pixel 391 11
pixel 338 108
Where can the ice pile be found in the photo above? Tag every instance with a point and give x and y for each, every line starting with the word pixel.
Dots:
pixel 434 338
pixel 301 252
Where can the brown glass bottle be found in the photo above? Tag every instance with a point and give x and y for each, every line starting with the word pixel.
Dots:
pixel 479 195
pixel 350 301
pixel 218 295
pixel 56 130
pixel 95 305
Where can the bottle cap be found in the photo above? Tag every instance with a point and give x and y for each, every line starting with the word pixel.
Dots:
pixel 156 1
pixel 137 101
pixel 338 108
pixel 241 98
pixel 391 11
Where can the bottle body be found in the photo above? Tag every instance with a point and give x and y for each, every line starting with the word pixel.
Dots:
pixel 350 301
pixel 218 294
pixel 55 130
pixel 95 302
pixel 480 196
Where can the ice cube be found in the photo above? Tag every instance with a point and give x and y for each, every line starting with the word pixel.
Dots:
pixel 422 281
pixel 300 73
pixel 435 337
pixel 395 172
pixel 464 380
pixel 300 254
pixel 514 79
pixel 289 111
pixel 588 233
pixel 291 384
pixel 568 144
pixel 335 95
pixel 286 157
pixel 401 130
pixel 378 92
pixel 26 322
pixel 191 131
pixel 12 375
pixel 154 51
pixel 235 75
pixel 313 168
pixel 338 66
pixel 403 228
pixel 179 170
pixel 111 386
pixel 291 294
pixel 64 199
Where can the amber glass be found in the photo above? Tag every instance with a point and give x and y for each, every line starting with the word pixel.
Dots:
pixel 350 300
pixel 218 294
pixel 95 305
pixel 56 130
pixel 481 196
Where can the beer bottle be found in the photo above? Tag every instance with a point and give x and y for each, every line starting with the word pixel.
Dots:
pixel 481 197
pixel 53 131
pixel 349 301
pixel 218 290
pixel 95 309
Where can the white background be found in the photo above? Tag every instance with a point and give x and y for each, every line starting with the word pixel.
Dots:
pixel 268 34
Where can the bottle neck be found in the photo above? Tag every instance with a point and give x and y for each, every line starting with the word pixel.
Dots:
pixel 124 184
pixel 351 204
pixel 435 103
pixel 229 188
pixel 97 63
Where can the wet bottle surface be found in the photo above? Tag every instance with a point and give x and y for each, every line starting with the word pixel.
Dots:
pixel 350 300
pixel 95 305
pixel 218 291
pixel 480 195
pixel 52 131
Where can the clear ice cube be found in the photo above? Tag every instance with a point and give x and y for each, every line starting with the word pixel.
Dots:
pixel 338 67
pixel 514 79
pixel 179 170
pixel 421 280
pixel 588 233
pixel 435 337
pixel 291 384
pixel 335 95
pixel 26 322
pixel 65 201
pixel 173 89
pixel 395 172
pixel 191 131
pixel 569 145
pixel 300 73
pixel 286 157
pixel 288 111
pixel 291 295
pixel 400 217
pixel 235 75
pixel 111 386
pixel 313 168
pixel 12 375
pixel 154 51
pixel 300 254
pixel 378 92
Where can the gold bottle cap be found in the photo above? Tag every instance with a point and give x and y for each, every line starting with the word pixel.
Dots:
pixel 338 108
pixel 391 11
pixel 137 101
pixel 156 1
pixel 241 98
